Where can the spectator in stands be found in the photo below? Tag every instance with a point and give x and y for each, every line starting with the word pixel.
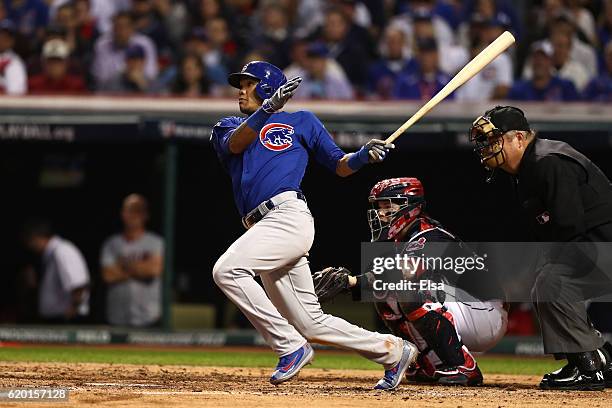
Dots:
pixel 470 31
pixel 13 75
pixel 65 18
pixel 396 59
pixel 545 17
pixel 104 12
pixel 500 10
pixel 175 17
pixel 600 88
pixel 443 32
pixel 544 86
pixel 358 13
pixel 566 67
pixel 222 45
pixel 604 29
pixel 133 78
pixel 132 264
pixel 451 57
pixel 493 82
pixel 583 20
pixel 29 16
pixel 86 31
pixel 347 44
pixel 299 58
pixel 202 11
pixel 55 78
pixel 72 23
pixel 216 63
pixel 148 22
pixel 63 291
pixel 427 79
pixel 323 80
pixel 191 80
pixel 580 52
pixel 273 36
pixel 110 49
pixel 306 17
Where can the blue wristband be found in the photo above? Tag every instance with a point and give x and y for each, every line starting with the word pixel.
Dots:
pixel 358 159
pixel 258 119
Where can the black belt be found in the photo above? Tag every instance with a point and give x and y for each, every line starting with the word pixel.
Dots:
pixel 262 209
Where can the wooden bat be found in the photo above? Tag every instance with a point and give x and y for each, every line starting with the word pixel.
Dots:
pixel 473 67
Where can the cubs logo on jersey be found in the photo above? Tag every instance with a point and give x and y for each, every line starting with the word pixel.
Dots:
pixel 276 136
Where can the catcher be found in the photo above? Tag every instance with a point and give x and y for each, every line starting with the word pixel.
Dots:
pixel 443 326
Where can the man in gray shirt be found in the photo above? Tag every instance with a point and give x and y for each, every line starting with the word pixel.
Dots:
pixel 63 290
pixel 132 264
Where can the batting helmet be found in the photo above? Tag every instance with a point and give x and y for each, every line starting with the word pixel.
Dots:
pixel 269 76
pixel 395 204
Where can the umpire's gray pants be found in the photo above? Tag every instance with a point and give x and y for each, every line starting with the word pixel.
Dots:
pixel 276 248
pixel 564 322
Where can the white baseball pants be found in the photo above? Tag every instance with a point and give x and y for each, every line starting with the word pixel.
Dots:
pixel 480 325
pixel 276 248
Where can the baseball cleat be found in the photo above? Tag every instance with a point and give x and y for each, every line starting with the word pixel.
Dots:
pixel 466 374
pixel 460 376
pixel 606 353
pixel 584 372
pixel 288 366
pixel 573 380
pixel 394 375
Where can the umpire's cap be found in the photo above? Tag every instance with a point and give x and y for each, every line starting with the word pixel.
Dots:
pixel 269 76
pixel 507 118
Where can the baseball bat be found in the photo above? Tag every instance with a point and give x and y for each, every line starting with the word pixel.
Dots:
pixel 473 67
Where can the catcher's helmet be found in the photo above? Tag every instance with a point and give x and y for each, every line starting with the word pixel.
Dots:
pixel 395 204
pixel 487 131
pixel 269 76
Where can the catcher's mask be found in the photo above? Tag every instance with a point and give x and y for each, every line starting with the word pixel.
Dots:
pixel 488 130
pixel 395 204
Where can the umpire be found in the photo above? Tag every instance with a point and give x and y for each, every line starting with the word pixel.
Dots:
pixel 567 200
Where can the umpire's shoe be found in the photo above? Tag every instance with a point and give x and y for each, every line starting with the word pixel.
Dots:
pixel 288 366
pixel 606 354
pixel 394 375
pixel 582 373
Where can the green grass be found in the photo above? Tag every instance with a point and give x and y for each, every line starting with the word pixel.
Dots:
pixel 257 358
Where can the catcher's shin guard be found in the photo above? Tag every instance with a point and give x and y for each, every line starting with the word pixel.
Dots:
pixel 432 330
pixel 443 357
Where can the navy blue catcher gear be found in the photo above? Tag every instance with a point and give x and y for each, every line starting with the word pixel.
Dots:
pixel 269 76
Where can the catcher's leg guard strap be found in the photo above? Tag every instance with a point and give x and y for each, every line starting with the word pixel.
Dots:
pixel 439 334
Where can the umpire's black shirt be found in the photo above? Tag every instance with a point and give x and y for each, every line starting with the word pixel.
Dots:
pixel 563 195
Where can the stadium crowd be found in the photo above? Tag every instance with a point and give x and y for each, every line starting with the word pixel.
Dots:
pixel 345 49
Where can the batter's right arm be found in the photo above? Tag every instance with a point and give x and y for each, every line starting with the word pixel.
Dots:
pixel 374 151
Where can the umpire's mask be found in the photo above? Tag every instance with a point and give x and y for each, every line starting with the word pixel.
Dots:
pixel 488 130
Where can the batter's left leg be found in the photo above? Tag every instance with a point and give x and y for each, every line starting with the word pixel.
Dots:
pixel 292 292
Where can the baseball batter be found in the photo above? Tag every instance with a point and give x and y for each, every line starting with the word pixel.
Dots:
pixel 444 326
pixel 266 156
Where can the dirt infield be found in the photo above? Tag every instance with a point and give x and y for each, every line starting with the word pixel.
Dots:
pixel 118 385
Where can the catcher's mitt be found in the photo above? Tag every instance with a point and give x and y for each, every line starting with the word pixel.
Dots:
pixel 330 282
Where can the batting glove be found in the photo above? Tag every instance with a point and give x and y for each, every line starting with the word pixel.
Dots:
pixel 281 96
pixel 377 150
pixel 374 151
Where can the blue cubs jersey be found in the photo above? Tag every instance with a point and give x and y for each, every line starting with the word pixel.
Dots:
pixel 276 160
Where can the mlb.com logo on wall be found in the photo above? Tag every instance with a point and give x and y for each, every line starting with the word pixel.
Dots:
pixel 276 136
